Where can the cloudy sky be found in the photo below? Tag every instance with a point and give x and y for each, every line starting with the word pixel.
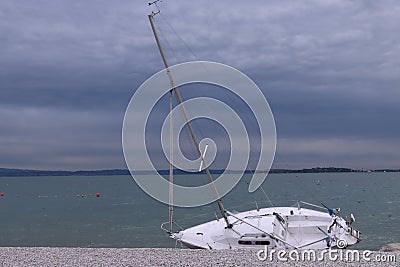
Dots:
pixel 329 69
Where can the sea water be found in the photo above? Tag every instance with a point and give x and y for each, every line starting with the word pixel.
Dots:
pixel 64 210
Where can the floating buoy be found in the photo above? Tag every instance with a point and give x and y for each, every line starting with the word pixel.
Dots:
pixel 97 194
pixel 1 194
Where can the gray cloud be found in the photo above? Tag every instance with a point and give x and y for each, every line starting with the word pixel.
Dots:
pixel 44 138
pixel 330 70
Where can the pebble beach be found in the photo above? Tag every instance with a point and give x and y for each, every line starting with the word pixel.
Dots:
pixel 45 256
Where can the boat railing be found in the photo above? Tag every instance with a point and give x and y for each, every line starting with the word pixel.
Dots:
pixel 165 227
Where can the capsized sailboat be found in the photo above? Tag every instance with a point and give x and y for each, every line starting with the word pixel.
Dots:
pixel 275 227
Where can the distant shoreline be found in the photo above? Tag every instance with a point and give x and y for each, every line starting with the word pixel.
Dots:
pixel 6 172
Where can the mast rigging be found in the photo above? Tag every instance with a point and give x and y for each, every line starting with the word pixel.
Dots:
pixel 191 131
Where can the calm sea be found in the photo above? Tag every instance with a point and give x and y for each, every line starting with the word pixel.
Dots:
pixel 50 211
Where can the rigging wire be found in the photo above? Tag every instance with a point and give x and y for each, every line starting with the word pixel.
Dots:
pixel 166 41
pixel 195 125
pixel 176 33
pixel 172 50
pixel 230 98
pixel 269 200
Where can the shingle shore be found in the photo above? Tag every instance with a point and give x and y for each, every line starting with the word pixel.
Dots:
pixel 43 256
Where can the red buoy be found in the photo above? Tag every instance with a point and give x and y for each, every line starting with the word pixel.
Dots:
pixel 1 194
pixel 97 194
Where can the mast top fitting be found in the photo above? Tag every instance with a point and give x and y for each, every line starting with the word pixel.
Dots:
pixel 153 13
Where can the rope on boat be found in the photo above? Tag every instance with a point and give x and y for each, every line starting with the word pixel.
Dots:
pixel 312 205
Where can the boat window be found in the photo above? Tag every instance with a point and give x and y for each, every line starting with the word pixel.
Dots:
pixel 263 242
pixel 249 242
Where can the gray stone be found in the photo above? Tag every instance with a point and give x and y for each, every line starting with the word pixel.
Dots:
pixel 41 256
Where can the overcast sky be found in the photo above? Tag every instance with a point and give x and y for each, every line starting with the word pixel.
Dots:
pixel 330 70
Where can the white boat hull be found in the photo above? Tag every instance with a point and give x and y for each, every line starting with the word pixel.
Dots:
pixel 278 227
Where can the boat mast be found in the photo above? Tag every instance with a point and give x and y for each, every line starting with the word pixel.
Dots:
pixel 179 99
pixel 171 168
